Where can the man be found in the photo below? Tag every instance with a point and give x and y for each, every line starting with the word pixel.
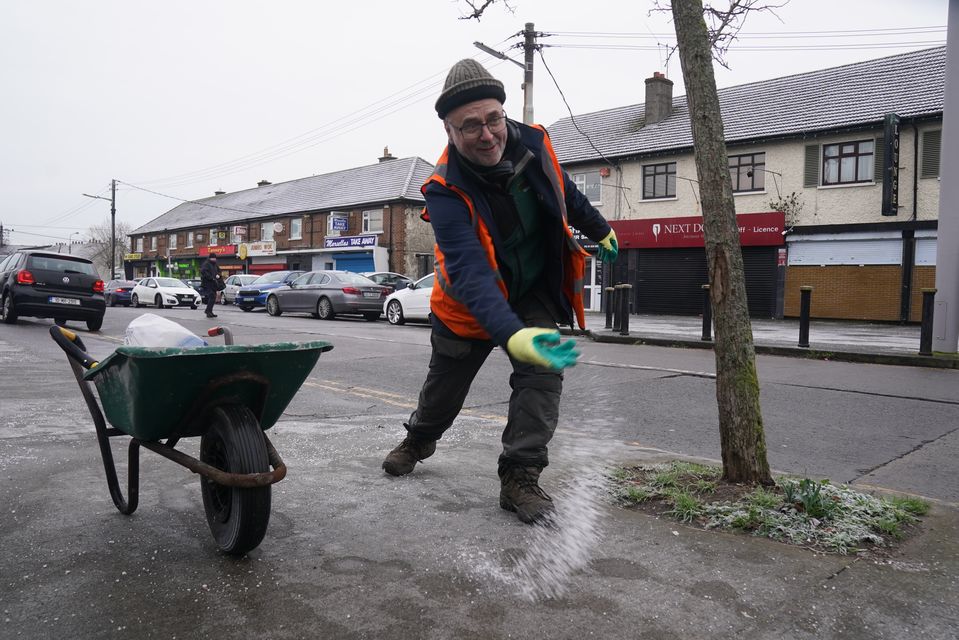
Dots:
pixel 210 279
pixel 507 271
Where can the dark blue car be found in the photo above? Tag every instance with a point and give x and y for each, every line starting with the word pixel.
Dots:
pixel 254 295
pixel 118 292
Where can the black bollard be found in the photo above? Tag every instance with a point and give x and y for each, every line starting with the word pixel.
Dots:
pixel 608 299
pixel 707 315
pixel 805 297
pixel 925 331
pixel 617 307
pixel 626 294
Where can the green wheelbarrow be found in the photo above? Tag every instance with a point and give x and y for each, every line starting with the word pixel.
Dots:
pixel 227 395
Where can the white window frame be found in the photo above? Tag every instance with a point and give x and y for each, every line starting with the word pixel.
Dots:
pixel 369 221
pixel 213 238
pixel 189 239
pixel 296 228
pixel 153 243
pixel 171 245
pixel 266 231
pixel 140 245
pixel 589 180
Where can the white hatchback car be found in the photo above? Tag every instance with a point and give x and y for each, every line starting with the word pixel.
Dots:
pixel 411 303
pixel 234 283
pixel 164 292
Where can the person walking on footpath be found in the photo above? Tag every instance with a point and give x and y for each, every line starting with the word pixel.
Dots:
pixel 508 271
pixel 210 280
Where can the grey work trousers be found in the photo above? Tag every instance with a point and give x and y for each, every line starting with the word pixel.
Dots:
pixel 533 404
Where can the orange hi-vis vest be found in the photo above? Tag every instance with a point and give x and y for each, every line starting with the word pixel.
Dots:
pixel 443 302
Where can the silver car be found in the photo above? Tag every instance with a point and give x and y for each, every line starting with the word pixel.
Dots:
pixel 325 294
pixel 234 283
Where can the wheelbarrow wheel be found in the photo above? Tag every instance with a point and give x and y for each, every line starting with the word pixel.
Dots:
pixel 238 517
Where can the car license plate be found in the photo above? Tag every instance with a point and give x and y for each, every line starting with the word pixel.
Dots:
pixel 371 294
pixel 56 300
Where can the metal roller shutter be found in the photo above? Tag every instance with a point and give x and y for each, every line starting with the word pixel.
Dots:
pixel 669 281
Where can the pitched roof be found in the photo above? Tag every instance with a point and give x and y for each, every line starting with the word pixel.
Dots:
pixel 388 181
pixel 909 84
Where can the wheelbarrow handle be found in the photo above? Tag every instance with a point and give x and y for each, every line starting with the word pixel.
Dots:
pixel 73 346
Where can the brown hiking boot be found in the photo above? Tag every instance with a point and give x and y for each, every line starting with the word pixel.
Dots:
pixel 520 492
pixel 403 458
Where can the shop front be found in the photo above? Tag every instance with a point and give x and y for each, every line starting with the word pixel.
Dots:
pixel 351 253
pixel 664 259
pixel 259 257
pixel 226 259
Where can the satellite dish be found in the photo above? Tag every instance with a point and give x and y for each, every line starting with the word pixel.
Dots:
pixel 277 227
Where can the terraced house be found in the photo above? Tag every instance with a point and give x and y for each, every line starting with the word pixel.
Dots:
pixel 360 219
pixel 836 181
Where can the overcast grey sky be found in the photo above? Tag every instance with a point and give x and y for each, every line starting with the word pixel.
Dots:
pixel 188 97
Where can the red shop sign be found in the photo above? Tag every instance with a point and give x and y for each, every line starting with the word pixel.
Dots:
pixel 755 229
pixel 220 250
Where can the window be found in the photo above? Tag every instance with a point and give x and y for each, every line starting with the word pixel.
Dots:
pixel 848 162
pixel 153 243
pixel 140 245
pixel 213 237
pixel 590 183
pixel 748 172
pixel 659 181
pixel 172 244
pixel 373 221
pixel 189 239
pixel 296 228
pixel 337 222
pixel 266 231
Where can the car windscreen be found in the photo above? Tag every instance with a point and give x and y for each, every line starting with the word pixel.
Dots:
pixel 275 276
pixel 64 264
pixel 247 279
pixel 354 278
pixel 171 282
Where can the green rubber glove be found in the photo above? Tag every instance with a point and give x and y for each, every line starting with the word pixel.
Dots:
pixel 608 248
pixel 542 347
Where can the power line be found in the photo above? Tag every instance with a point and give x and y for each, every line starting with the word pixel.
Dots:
pixel 202 204
pixel 749 48
pixel 756 34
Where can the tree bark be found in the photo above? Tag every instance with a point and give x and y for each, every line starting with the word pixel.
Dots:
pixel 737 385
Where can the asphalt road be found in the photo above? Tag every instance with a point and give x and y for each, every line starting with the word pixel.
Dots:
pixel 358 554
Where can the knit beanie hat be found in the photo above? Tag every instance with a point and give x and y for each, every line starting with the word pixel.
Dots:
pixel 466 82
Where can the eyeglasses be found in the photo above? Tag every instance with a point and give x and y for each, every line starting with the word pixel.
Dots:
pixel 495 124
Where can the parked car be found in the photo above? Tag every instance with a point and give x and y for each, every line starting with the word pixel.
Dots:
pixel 194 283
pixel 51 285
pixel 234 283
pixel 324 294
pixel 164 292
pixel 254 294
pixel 395 281
pixel 411 303
pixel 118 292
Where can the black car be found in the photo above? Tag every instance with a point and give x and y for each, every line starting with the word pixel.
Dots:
pixel 39 284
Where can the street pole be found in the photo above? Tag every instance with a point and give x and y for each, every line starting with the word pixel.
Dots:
pixel 113 229
pixel 529 46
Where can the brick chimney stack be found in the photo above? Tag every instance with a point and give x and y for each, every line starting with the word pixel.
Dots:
pixel 263 183
pixel 386 155
pixel 659 98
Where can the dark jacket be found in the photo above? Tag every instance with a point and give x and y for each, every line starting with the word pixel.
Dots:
pixel 473 281
pixel 209 275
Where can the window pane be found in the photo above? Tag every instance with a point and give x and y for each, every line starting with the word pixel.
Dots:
pixel 847 170
pixel 648 187
pixel 670 185
pixel 830 172
pixel 866 146
pixel 734 178
pixel 830 150
pixel 759 179
pixel 848 148
pixel 865 168
pixel 659 185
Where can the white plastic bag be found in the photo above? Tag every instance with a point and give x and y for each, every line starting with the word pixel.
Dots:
pixel 150 330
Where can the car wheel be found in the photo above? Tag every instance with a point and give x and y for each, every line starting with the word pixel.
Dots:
pixel 112 301
pixel 246 307
pixel 8 311
pixel 60 322
pixel 136 301
pixel 95 324
pixel 193 306
pixel 159 301
pixel 324 309
pixel 273 306
pixel 394 312
pixel 372 316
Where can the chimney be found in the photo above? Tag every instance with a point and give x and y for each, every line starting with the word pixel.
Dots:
pixel 386 155
pixel 263 183
pixel 659 98
pixel 219 193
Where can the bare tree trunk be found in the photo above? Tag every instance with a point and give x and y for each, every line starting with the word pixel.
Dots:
pixel 737 385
